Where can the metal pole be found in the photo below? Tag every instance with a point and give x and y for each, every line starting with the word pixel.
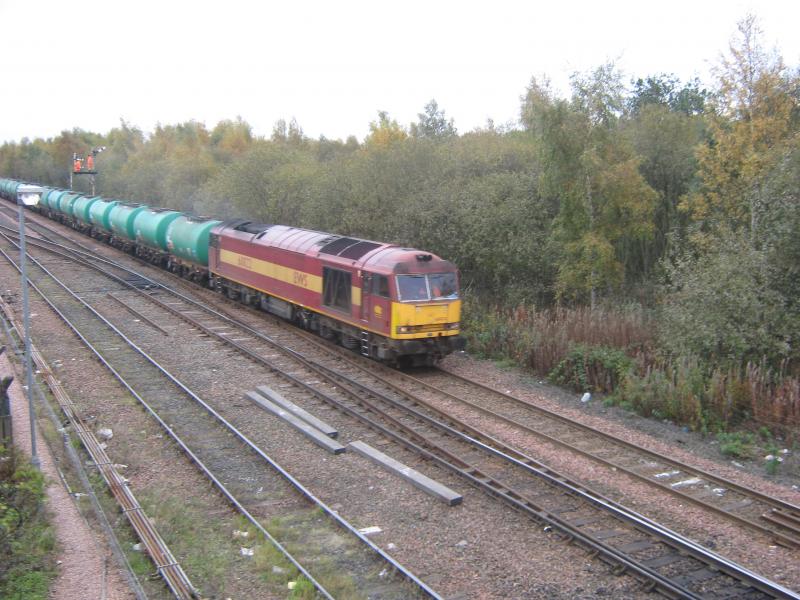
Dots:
pixel 27 326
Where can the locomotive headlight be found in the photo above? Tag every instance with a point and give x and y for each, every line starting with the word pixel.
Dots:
pixel 452 326
pixel 404 329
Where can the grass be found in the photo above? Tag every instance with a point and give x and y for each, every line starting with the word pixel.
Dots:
pixel 204 551
pixel 592 368
pixel 540 339
pixel 267 557
pixel 303 590
pixel 737 444
pixel 27 538
pixel 302 534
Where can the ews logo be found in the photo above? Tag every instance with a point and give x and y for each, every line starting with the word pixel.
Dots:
pixel 300 279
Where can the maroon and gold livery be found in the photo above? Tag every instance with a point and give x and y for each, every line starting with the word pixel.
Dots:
pixel 394 304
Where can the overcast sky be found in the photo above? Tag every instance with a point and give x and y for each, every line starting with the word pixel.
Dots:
pixel 332 65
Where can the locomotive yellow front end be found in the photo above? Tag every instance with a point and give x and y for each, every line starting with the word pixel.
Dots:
pixel 427 305
pixel 426 311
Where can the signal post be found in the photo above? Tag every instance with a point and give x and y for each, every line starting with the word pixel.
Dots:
pixel 84 165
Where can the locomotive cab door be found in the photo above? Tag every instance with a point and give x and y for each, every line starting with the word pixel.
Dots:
pixel 375 302
pixel 366 284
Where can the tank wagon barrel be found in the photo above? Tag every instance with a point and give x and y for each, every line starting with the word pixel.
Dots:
pixel 122 216
pixel 8 189
pixel 150 226
pixel 187 238
pixel 100 214
pixel 44 201
pixel 53 198
pixel 82 207
pixel 66 202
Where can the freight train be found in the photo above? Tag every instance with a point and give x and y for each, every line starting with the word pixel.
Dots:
pixel 400 306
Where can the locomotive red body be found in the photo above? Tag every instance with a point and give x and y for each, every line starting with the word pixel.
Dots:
pixel 397 305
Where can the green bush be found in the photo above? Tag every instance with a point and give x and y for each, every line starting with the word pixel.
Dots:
pixel 737 444
pixel 719 306
pixel 592 368
pixel 675 390
pixel 27 540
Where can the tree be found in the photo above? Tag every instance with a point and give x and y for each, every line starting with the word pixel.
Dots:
pixel 271 181
pixel 604 203
pixel 385 131
pixel 665 90
pixel 755 113
pixel 231 139
pixel 719 305
pixel 279 131
pixel 665 140
pixel 122 144
pixel 433 123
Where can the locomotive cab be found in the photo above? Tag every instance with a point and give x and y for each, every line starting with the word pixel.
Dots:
pixel 413 299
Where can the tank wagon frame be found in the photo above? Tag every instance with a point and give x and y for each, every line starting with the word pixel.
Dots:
pixel 396 305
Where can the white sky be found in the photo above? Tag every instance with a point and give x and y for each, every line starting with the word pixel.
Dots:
pixel 332 65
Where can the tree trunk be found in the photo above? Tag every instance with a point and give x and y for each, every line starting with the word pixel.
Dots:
pixel 590 210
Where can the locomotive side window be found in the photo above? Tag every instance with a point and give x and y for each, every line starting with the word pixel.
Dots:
pixel 380 286
pixel 336 288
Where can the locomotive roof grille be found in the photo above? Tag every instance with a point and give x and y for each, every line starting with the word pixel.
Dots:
pixel 358 250
pixel 252 227
pixel 337 245
pixel 348 247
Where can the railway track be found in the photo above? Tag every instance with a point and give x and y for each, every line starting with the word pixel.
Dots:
pixel 775 518
pixel 697 575
pixel 240 470
pixel 166 565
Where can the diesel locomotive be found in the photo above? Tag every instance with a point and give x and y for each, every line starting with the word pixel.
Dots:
pixel 396 305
